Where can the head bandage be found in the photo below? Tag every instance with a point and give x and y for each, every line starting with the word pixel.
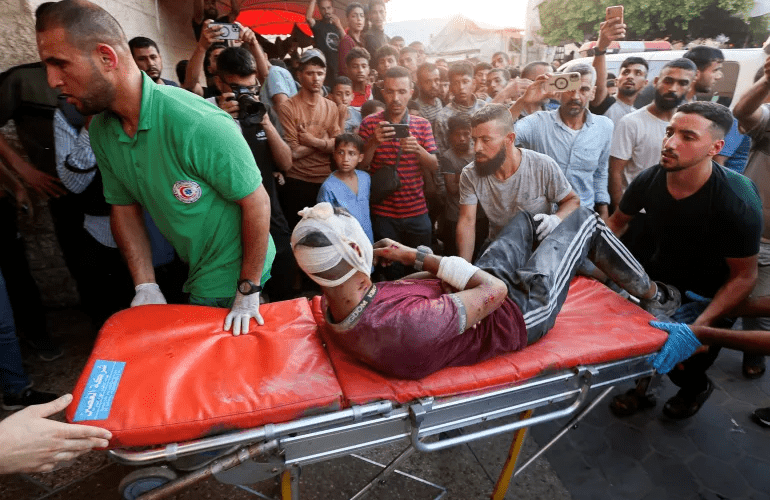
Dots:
pixel 348 241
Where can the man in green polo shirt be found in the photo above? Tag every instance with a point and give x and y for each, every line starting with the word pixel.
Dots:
pixel 167 150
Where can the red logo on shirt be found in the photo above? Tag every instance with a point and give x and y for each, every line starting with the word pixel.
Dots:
pixel 187 191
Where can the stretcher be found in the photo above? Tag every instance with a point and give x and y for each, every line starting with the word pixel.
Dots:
pixel 174 389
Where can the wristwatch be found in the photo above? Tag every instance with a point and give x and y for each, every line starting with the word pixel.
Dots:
pixel 247 287
pixel 599 52
pixel 419 260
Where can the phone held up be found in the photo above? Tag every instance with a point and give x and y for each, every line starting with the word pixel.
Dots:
pixel 613 12
pixel 562 82
pixel 227 31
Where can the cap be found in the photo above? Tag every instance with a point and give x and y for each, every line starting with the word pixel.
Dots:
pixel 312 54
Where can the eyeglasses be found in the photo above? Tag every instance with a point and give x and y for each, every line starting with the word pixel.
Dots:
pixel 251 89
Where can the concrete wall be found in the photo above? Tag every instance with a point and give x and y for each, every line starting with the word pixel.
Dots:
pixel 169 26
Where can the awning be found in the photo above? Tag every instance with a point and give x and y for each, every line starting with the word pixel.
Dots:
pixel 268 17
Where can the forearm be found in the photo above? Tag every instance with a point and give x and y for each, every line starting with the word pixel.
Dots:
pixel 309 13
pixel 12 159
pixel 567 206
pixel 742 340
pixel 255 231
pixel 466 238
pixel 516 108
pixel 600 65
pixel 428 162
pixel 369 149
pixel 280 150
pixel 263 65
pixel 299 152
pixel 732 293
pixel 193 73
pixel 747 108
pixel 127 222
pixel 615 183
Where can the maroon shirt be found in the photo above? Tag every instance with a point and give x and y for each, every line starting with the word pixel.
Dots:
pixel 410 328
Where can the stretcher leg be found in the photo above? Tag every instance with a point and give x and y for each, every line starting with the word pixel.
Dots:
pixel 501 487
pixel 570 425
pixel 387 471
pixel 290 484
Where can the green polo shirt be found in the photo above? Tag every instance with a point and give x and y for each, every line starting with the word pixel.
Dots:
pixel 187 165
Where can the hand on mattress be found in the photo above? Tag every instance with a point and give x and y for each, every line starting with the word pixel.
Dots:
pixel 146 294
pixel 244 308
pixel 681 344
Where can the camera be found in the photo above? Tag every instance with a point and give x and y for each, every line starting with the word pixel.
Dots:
pixel 562 82
pixel 250 110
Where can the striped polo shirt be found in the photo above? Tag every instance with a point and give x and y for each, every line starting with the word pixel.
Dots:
pixel 409 200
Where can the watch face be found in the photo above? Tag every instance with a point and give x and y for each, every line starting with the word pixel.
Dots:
pixel 244 287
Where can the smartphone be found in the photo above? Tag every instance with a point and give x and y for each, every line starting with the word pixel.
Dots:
pixel 402 130
pixel 562 82
pixel 227 31
pixel 613 12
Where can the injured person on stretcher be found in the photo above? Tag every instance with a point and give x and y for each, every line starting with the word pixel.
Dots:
pixel 455 313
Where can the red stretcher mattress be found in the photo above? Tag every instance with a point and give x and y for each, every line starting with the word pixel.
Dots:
pixel 162 374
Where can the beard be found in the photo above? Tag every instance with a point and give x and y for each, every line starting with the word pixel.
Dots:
pixel 101 94
pixel 667 101
pixel 211 13
pixel 626 91
pixel 489 167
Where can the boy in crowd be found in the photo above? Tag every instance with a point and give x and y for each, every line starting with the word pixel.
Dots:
pixel 407 58
pixel 357 62
pixel 371 107
pixel 480 72
pixel 342 95
pixel 348 187
pixel 461 86
pixel 385 58
pixel 451 164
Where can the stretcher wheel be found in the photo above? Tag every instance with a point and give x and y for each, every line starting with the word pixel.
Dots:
pixel 141 481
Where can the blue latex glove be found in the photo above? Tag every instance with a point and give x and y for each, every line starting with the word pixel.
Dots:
pixel 681 344
pixel 689 312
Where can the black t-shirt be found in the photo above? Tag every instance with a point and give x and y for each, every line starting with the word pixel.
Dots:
pixel 198 27
pixel 373 40
pixel 603 106
pixel 692 237
pixel 327 39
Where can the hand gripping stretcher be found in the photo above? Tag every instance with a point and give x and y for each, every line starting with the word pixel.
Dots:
pixel 173 388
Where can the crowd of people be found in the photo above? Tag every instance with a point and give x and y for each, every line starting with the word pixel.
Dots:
pixel 358 161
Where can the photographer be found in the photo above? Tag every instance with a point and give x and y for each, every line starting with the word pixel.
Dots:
pixel 237 81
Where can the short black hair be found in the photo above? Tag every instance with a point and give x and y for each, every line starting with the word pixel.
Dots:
pixel 342 80
pixel 369 106
pixel 397 72
pixel 504 54
pixel 374 3
pixel 385 51
pixel 493 112
pixel 357 53
pixel 141 42
pixel 207 58
pixel 528 70
pixel 720 116
pixel 406 49
pixel 504 72
pixel 354 5
pixel 481 66
pixel 426 68
pixel 703 56
pixel 397 38
pixel 629 61
pixel 460 121
pixel 461 68
pixel 181 70
pixel 236 61
pixel 85 23
pixel 681 63
pixel 353 139
pixel 413 106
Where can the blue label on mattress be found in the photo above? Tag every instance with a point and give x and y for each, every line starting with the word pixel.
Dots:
pixel 96 401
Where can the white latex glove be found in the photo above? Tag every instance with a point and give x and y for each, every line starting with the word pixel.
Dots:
pixel 148 293
pixel 548 224
pixel 244 308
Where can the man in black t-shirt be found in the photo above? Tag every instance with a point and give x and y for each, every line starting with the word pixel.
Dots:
pixel 327 33
pixel 705 223
pixel 374 36
pixel 207 9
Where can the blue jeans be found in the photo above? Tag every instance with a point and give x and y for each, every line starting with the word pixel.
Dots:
pixel 411 231
pixel 13 379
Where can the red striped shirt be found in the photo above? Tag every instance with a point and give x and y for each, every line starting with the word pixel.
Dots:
pixel 409 200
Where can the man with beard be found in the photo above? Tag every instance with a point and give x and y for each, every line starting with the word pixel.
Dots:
pixel 327 33
pixel 147 56
pixel 705 224
pixel 577 139
pixel 207 9
pixel 429 86
pixel 506 180
pixel 161 148
pixel 637 136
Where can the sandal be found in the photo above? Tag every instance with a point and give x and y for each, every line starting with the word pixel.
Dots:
pixel 631 402
pixel 685 404
pixel 753 365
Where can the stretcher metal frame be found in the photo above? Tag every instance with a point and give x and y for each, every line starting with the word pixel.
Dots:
pixel 250 456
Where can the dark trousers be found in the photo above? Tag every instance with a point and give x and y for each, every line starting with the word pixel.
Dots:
pixel 411 231
pixel 296 195
pixel 22 289
pixel 538 281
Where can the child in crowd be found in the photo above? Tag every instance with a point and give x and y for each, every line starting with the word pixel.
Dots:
pixel 414 108
pixel 348 187
pixel 451 164
pixel 342 95
pixel 371 107
pixel 357 62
